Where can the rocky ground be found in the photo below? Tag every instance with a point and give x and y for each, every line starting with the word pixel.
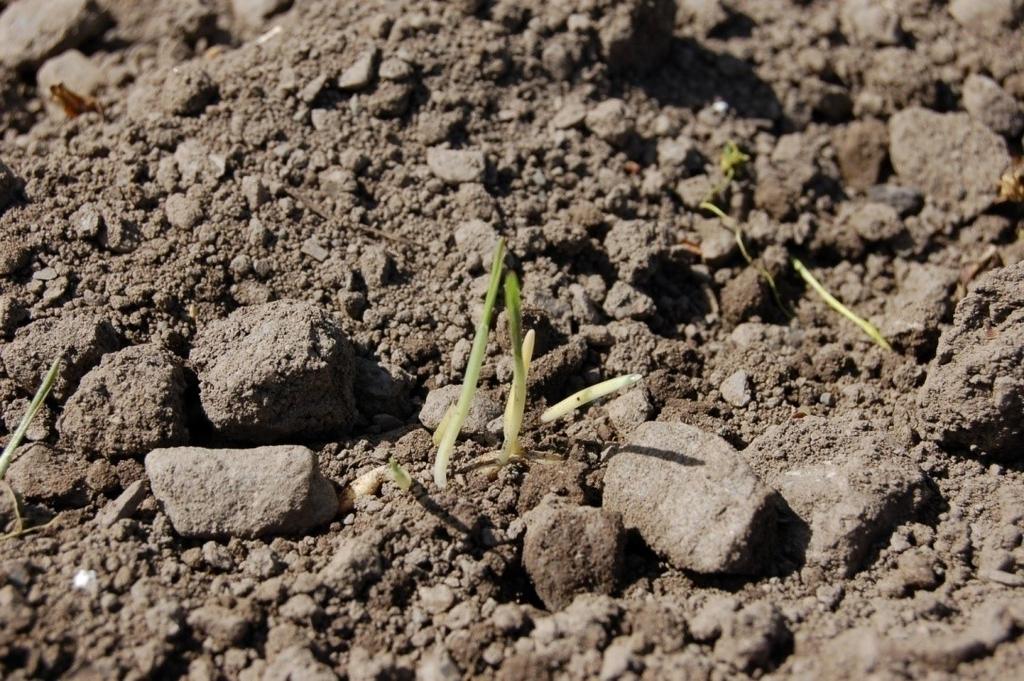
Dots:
pixel 260 251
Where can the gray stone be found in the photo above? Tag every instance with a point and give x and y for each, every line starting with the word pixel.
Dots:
pixel 692 498
pixel 951 157
pixel 987 17
pixel 361 73
pixel 973 397
pixel 253 13
pixel 570 549
pixel 74 70
pixel 626 302
pixel 993 106
pixel 629 410
pixel 849 486
pixel 481 412
pixel 356 565
pixel 215 493
pixel 124 505
pixel 456 166
pixel 32 31
pixel 134 401
pixel 869 22
pixel 78 339
pixel 275 370
pixel 612 121
pixel 736 389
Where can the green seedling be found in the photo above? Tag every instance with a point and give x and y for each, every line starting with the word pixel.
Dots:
pixel 522 353
pixel 18 436
pixel 588 395
pixel 731 162
pixel 399 475
pixel 731 225
pixel 868 328
pixel 453 424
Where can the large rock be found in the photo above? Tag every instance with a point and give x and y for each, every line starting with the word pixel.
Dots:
pixel 134 401
pixel 848 486
pixel 32 31
pixel 973 397
pixel 570 549
pixel 692 498
pixel 952 157
pixel 241 492
pixel 275 370
pixel 78 339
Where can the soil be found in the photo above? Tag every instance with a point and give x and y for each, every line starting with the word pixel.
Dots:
pixel 264 250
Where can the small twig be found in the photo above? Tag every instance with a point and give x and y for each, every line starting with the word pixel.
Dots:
pixel 315 208
pixel 868 328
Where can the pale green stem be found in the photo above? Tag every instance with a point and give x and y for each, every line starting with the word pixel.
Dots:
pixel 399 475
pixel 476 358
pixel 516 405
pixel 870 329
pixel 587 395
pixel 26 419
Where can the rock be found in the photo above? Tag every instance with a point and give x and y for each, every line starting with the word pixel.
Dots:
pixel 728 519
pixel 923 301
pixel 437 665
pixel 477 238
pixel 635 34
pixel 848 486
pixel 223 626
pixel 391 100
pixel 870 23
pixel 973 397
pixel 182 212
pixel 954 159
pixel 124 505
pixel 297 662
pixel 630 409
pixel 456 166
pixel 754 637
pixel 10 187
pixel 872 222
pixel 482 411
pixel 275 370
pixel 569 550
pixel 906 200
pixel 717 242
pixel 993 106
pixel 356 565
pixel 436 599
pixel 862 148
pixel 32 31
pixel 253 13
pixel 612 121
pixel 736 389
pixel 626 302
pixel 214 493
pixel 78 339
pixel 187 90
pixel 989 18
pixel 134 401
pixel 900 78
pixel 74 70
pixel 361 73
pixel 40 473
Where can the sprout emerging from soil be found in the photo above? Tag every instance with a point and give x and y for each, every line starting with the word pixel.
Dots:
pixel 522 353
pixel 15 442
pixel 399 475
pixel 868 328
pixel 588 395
pixel 452 423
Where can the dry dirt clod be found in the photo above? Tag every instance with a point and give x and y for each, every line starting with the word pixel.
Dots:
pixel 692 498
pixel 31 31
pixel 241 492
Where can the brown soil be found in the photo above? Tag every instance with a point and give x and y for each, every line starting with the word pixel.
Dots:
pixel 262 259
